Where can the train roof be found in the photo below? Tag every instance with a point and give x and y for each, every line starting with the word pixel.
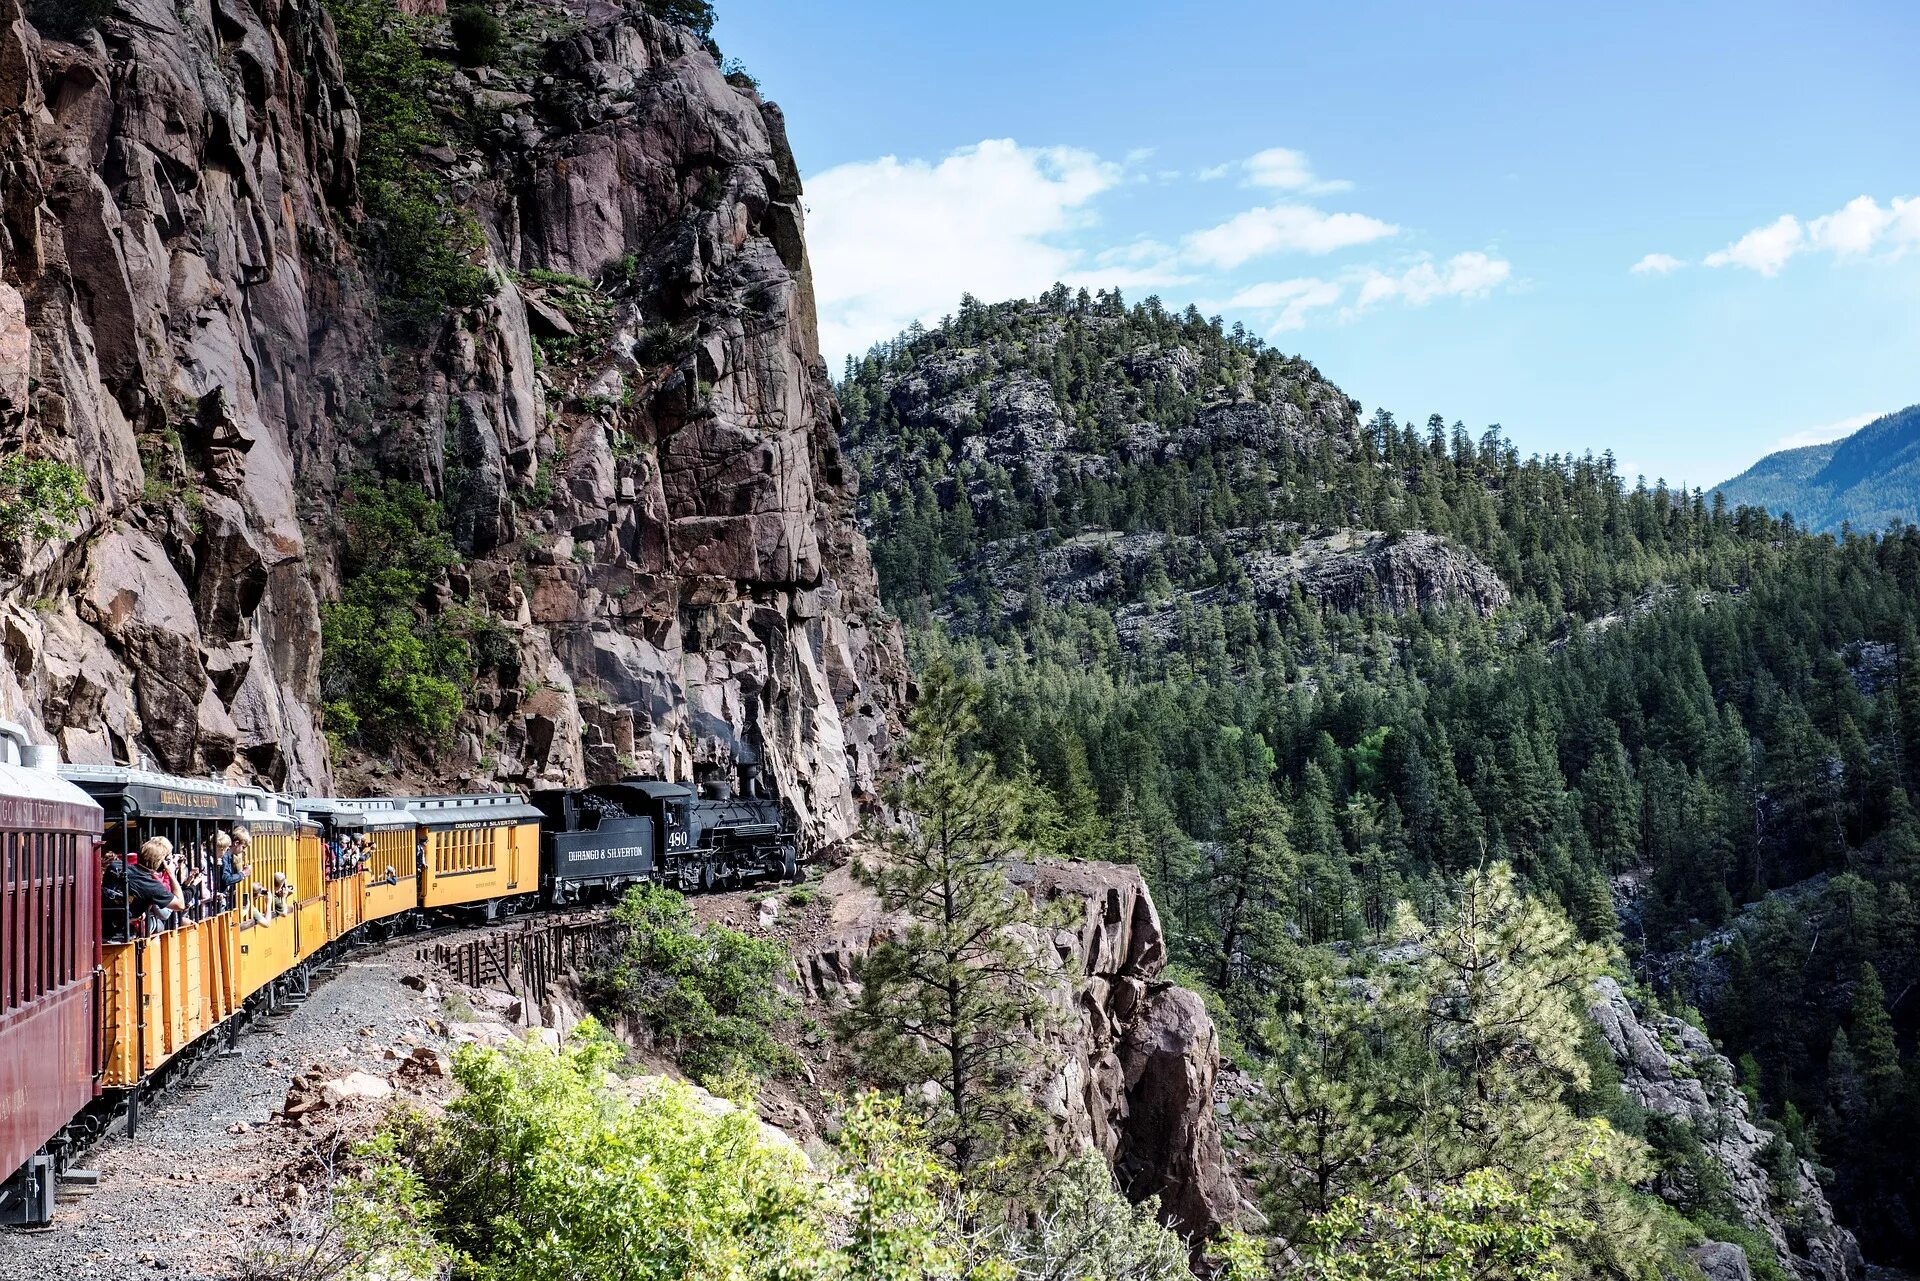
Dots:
pixel 353 812
pixel 484 807
pixel 659 789
pixel 25 783
pixel 156 795
pixel 151 794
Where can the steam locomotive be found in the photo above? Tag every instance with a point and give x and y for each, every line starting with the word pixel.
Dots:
pixel 98 1004
pixel 596 841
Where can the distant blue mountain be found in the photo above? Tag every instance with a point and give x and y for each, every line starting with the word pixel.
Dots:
pixel 1869 479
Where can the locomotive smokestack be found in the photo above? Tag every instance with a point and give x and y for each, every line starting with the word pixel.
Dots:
pixel 713 782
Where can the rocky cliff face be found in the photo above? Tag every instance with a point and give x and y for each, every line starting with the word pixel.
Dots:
pixel 1670 1068
pixel 633 435
pixel 1339 570
pixel 1130 1071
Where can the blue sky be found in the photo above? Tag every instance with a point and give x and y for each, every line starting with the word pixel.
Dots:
pixel 1440 205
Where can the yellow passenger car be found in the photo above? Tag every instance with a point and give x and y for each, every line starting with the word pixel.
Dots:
pixel 389 883
pixel 477 850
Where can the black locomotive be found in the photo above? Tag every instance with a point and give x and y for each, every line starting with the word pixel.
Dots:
pixel 596 841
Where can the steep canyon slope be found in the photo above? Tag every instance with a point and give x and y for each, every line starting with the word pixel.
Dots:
pixel 626 429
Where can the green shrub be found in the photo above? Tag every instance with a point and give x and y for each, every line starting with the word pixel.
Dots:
pixel 421 245
pixel 541 1171
pixel 546 1165
pixel 67 18
pixel 38 497
pixel 704 992
pixel 388 672
pixel 477 34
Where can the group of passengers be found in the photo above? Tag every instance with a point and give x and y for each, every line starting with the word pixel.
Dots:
pixel 164 886
pixel 347 853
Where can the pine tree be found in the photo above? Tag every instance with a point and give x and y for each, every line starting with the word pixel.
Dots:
pixel 957 1000
pixel 1253 876
pixel 1325 1126
pixel 1501 987
pixel 1875 1054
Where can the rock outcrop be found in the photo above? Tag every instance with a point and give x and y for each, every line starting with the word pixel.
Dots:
pixel 1337 570
pixel 633 437
pixel 1670 1068
pixel 1130 1072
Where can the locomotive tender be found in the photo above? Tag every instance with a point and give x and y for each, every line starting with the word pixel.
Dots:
pixel 99 1008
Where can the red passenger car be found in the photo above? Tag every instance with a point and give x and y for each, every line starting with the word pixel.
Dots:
pixel 49 950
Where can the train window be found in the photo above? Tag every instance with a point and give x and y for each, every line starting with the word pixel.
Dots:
pixel 9 917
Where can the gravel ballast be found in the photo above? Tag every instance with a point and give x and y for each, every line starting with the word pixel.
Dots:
pixel 189 1196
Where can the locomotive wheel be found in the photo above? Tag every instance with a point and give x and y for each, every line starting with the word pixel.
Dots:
pixel 709 876
pixel 790 865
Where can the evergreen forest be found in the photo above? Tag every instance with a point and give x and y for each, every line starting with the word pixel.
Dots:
pixel 1692 729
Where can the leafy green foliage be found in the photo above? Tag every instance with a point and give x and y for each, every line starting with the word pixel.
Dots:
pixel 539 1171
pixel 477 34
pixel 546 1164
pixel 422 244
pixel 67 18
pixel 38 497
pixel 389 673
pixel 1482 1229
pixel 959 999
pixel 704 992
pixel 1445 1098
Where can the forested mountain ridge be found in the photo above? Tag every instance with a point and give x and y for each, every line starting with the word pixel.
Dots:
pixel 1669 699
pixel 1867 480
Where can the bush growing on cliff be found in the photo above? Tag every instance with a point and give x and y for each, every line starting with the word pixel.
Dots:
pixel 38 497
pixel 695 15
pixel 389 673
pixel 707 993
pixel 67 18
pixel 547 1165
pixel 422 245
pixel 476 33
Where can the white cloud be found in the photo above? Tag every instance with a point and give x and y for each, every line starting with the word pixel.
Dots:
pixel 1284 169
pixel 1656 265
pixel 893 241
pixel 1282 229
pixel 1139 264
pixel 1214 173
pixel 1291 299
pixel 1468 275
pixel 897 240
pixel 1764 249
pixel 1828 431
pixel 1289 304
pixel 1859 227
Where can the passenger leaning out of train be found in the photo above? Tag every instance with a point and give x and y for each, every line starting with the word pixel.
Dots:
pixel 151 898
pixel 195 893
pixel 282 895
pixel 230 872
